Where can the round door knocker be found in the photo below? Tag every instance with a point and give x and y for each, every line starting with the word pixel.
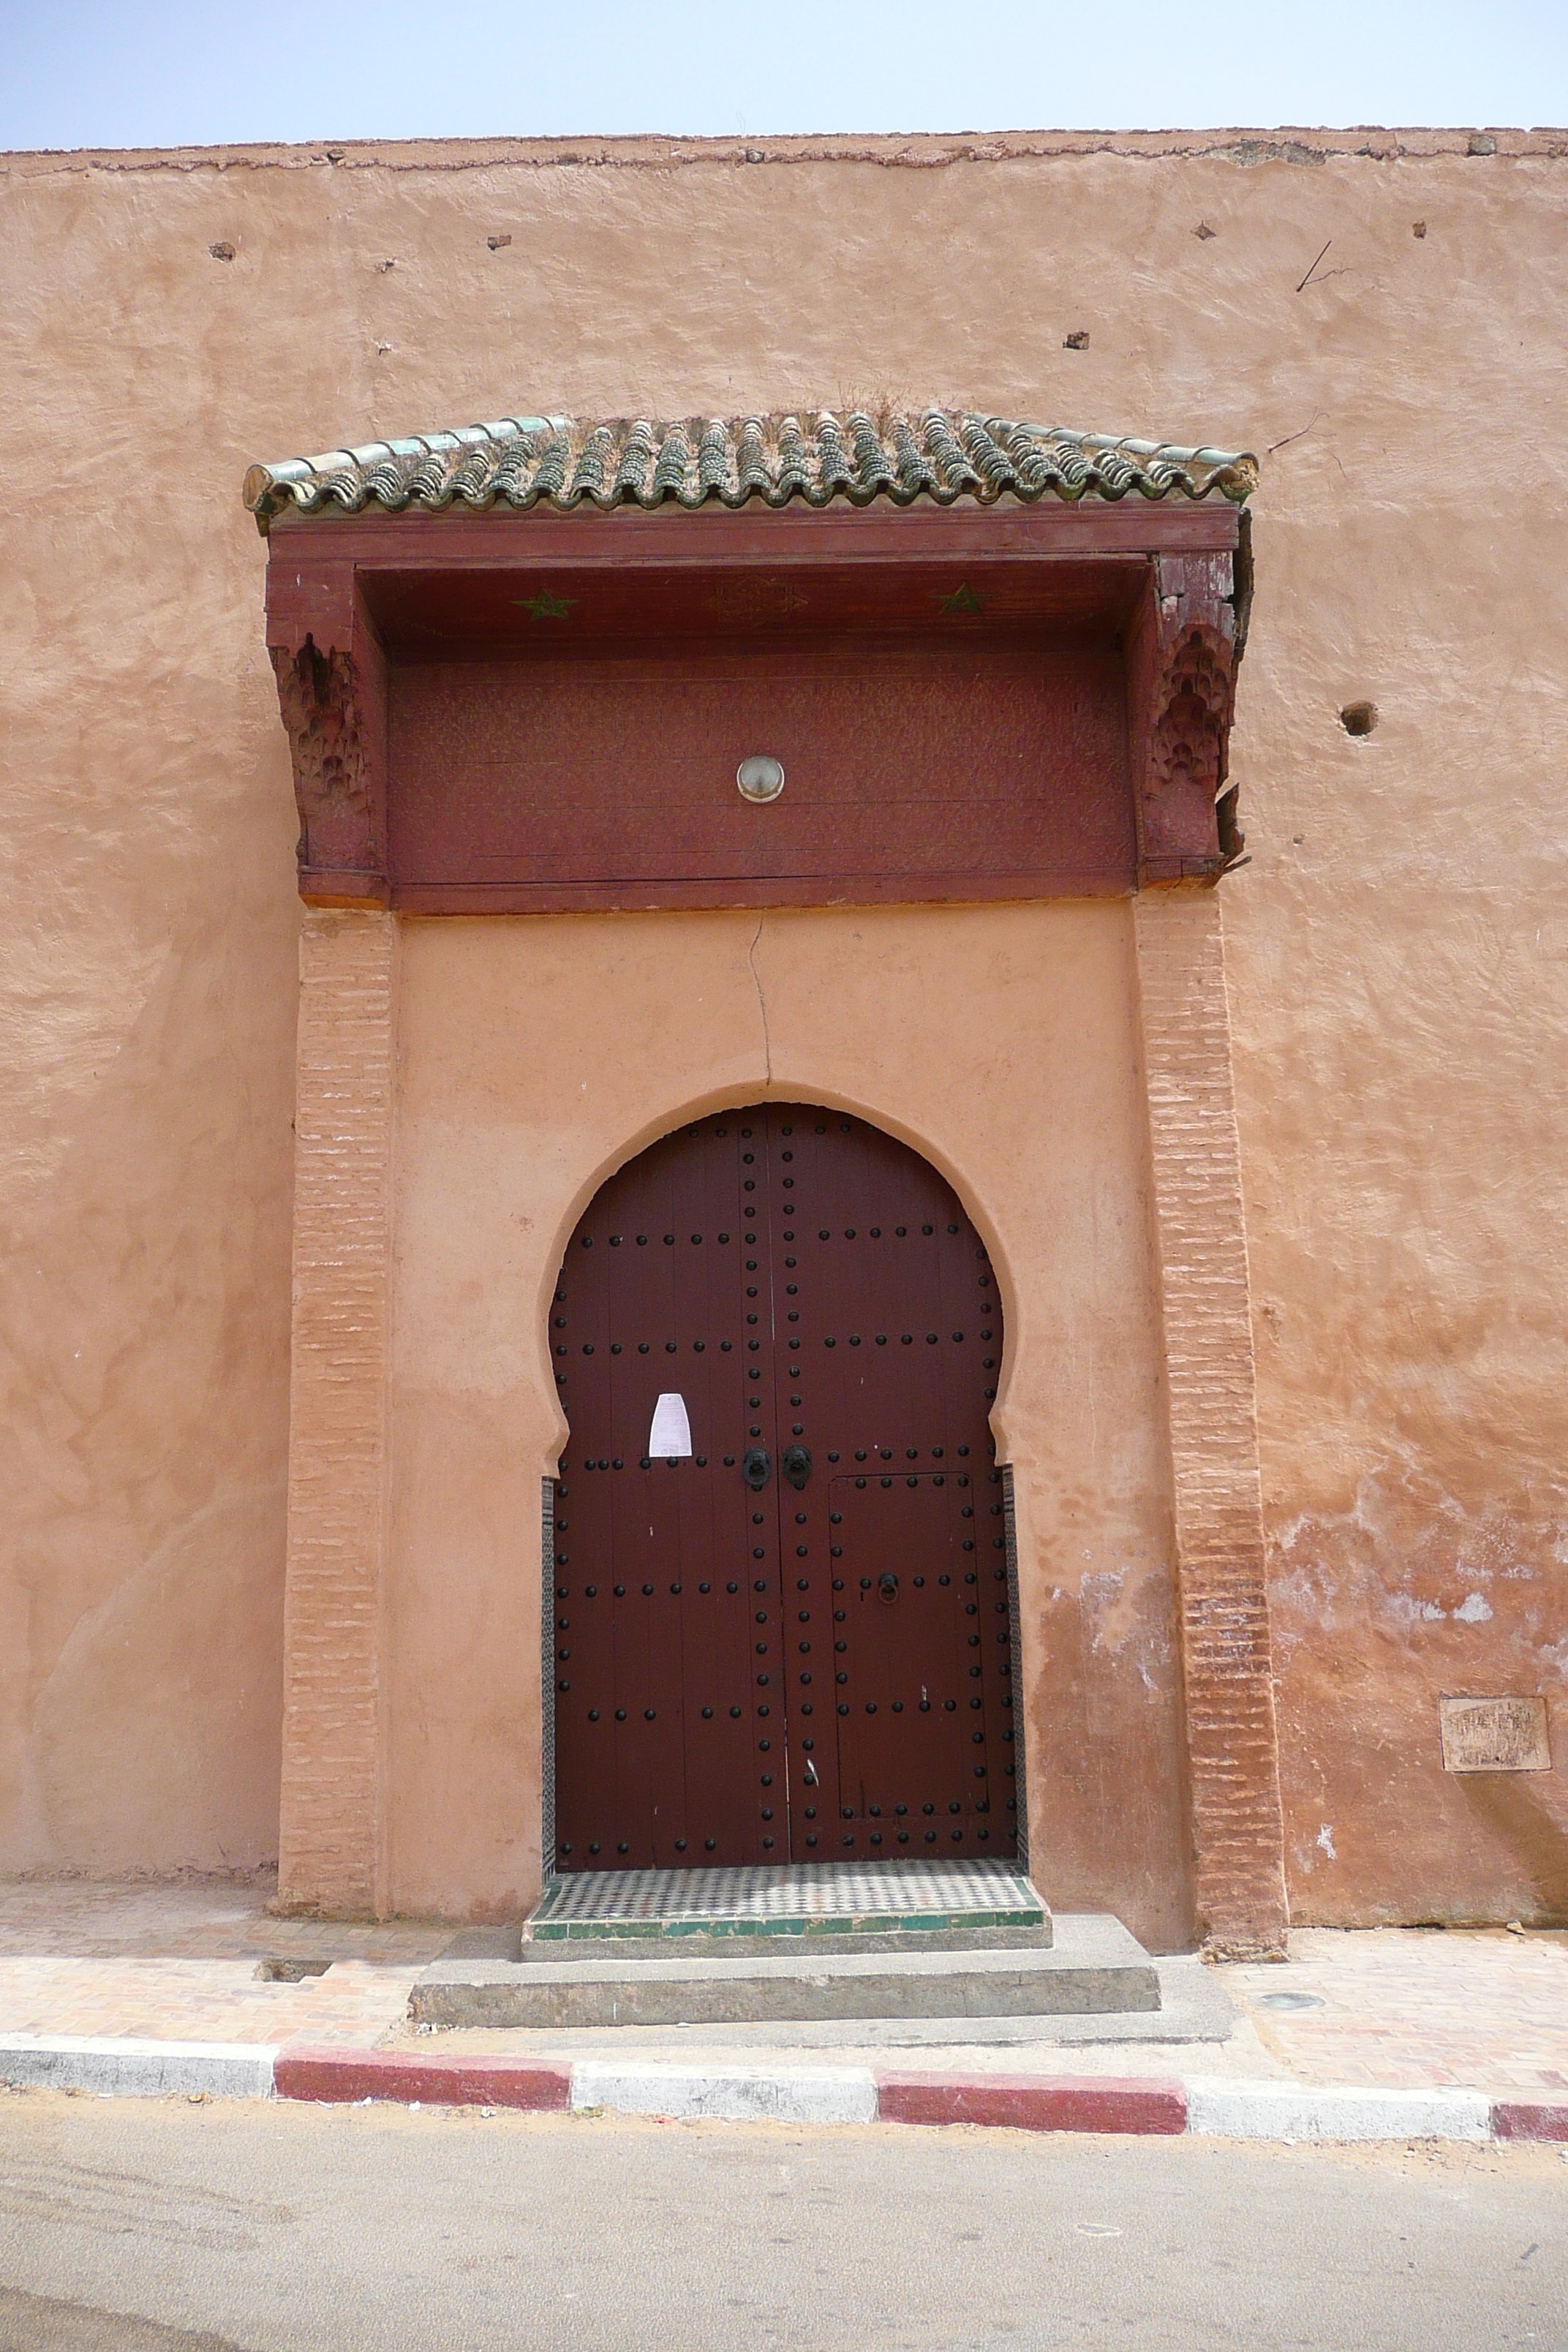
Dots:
pixel 888 1587
pixel 759 778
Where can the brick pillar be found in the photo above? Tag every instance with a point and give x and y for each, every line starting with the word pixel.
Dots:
pixel 330 1854
pixel 1233 1750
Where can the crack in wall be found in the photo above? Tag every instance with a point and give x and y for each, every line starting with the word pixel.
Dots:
pixel 762 999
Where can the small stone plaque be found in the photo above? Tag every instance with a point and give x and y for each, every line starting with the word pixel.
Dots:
pixel 1494 1734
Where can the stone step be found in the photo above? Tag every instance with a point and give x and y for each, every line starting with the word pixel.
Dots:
pixel 1096 1968
pixel 792 1939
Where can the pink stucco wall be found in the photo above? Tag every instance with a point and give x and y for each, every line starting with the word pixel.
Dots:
pixel 534 1055
pixel 1398 949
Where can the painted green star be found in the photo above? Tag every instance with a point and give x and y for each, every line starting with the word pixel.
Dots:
pixel 962 600
pixel 546 607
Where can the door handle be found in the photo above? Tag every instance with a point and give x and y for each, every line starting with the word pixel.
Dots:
pixel 795 1465
pixel 755 1467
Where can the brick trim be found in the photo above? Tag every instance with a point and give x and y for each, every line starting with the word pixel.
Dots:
pixel 331 1830
pixel 1210 1402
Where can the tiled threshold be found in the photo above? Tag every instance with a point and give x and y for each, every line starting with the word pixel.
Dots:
pixel 810 1900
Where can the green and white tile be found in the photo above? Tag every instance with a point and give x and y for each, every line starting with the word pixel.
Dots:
pixel 804 1898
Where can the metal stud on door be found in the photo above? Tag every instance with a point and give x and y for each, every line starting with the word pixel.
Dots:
pixel 743 1631
pixel 667 1567
pixel 891 1297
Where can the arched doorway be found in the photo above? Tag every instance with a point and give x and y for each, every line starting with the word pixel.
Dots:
pixel 783 1621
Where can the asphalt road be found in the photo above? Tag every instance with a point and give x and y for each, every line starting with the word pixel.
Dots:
pixel 161 2226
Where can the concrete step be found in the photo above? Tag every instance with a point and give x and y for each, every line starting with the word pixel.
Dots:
pixel 796 1940
pixel 1097 1967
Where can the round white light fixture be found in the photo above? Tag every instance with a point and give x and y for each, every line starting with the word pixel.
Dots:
pixel 759 778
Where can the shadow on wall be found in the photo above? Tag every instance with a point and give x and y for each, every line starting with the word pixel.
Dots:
pixel 144 1297
pixel 1517 1815
pixel 157 1733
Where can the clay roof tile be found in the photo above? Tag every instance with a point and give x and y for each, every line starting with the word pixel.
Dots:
pixel 814 455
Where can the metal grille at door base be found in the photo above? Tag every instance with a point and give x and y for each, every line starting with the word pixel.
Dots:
pixel 843 1897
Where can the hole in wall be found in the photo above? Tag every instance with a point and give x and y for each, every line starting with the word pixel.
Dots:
pixel 1359 718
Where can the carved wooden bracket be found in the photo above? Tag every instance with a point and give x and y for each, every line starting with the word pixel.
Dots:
pixel 318 694
pixel 332 691
pixel 1184 688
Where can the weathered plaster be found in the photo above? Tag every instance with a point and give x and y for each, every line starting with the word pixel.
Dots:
pixel 1399 980
pixel 535 1056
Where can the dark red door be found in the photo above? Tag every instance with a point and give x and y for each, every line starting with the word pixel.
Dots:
pixel 793 1643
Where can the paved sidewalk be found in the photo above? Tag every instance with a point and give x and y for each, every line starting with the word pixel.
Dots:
pixel 1394 2009
pixel 1415 2006
pixel 178 1961
pixel 354 2002
pixel 1382 2008
pixel 192 1918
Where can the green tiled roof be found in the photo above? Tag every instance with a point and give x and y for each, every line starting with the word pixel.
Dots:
pixel 562 462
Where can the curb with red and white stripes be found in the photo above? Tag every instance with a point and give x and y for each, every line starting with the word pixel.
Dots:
pixel 1217 2106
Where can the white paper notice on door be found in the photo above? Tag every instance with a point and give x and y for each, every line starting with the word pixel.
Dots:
pixel 671 1432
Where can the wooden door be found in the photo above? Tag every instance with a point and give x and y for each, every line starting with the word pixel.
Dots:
pixel 793 1642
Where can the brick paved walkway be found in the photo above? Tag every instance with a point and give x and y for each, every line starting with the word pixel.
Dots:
pixel 1476 2007
pixel 178 1962
pixel 201 2000
pixel 192 1918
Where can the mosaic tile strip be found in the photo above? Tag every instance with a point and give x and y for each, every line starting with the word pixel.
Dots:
pixel 839 1898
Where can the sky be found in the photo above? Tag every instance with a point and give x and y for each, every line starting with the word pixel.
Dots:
pixel 170 73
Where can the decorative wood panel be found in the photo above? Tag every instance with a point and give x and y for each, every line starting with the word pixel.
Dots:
pixel 545 711
pixel 912 770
